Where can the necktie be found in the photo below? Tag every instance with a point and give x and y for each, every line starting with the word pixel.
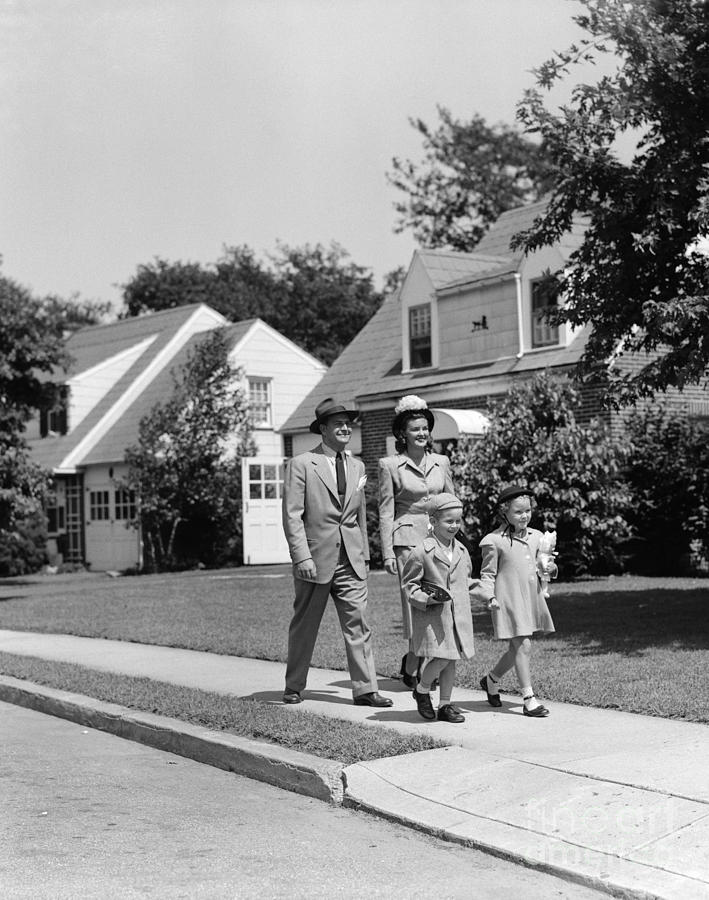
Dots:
pixel 341 478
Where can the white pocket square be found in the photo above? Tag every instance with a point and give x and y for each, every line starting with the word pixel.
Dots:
pixel 361 483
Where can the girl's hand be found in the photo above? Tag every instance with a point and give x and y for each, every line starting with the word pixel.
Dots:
pixel 493 604
pixel 390 566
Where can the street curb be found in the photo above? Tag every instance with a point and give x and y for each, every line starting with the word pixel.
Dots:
pixel 291 770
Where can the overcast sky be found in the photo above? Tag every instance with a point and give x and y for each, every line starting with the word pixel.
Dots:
pixel 141 128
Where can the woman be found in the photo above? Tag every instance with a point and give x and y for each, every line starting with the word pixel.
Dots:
pixel 407 481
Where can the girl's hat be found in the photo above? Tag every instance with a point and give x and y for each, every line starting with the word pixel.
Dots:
pixel 514 490
pixel 444 501
pixel 411 407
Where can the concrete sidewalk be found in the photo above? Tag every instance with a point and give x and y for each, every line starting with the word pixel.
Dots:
pixel 614 800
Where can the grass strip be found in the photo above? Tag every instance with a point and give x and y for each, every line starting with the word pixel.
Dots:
pixel 334 739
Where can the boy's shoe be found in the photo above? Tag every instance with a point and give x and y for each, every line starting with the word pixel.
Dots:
pixel 492 699
pixel 449 713
pixel 425 707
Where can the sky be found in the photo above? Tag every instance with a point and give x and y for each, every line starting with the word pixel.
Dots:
pixel 135 129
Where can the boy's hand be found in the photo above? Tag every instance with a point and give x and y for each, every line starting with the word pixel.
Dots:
pixel 493 604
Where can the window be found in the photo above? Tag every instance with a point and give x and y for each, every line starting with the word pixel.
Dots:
pixel 125 504
pixel 420 336
pixel 99 508
pixel 55 519
pixel 53 420
pixel 544 295
pixel 265 481
pixel 260 401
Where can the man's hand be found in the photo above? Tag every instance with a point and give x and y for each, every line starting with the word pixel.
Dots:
pixel 306 570
pixel 390 566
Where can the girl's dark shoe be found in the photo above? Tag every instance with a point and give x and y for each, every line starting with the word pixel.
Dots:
pixel 538 712
pixel 449 713
pixel 492 699
pixel 425 707
pixel 408 680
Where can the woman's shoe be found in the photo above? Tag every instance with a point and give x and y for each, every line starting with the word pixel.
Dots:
pixel 408 680
pixel 449 713
pixel 492 699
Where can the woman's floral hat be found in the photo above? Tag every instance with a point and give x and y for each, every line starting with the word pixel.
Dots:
pixel 411 407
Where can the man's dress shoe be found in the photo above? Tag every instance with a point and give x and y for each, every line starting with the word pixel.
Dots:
pixel 372 699
pixel 290 696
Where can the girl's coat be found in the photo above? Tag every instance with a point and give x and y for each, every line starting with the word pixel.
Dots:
pixel 509 573
pixel 443 630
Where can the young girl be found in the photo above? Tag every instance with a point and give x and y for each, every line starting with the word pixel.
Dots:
pixel 510 582
pixel 436 580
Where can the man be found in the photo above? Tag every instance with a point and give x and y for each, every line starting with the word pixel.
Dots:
pixel 324 518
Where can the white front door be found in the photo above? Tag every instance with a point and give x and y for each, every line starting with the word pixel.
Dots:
pixel 264 540
pixel 111 542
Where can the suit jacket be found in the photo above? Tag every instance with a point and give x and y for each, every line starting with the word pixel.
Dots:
pixel 315 523
pixel 444 630
pixel 404 492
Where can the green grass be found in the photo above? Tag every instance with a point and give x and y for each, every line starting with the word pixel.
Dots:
pixel 636 644
pixel 345 742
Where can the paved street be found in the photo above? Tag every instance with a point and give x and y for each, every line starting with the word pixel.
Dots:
pixel 84 814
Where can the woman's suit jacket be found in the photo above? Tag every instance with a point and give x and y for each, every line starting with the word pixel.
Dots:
pixel 443 630
pixel 404 492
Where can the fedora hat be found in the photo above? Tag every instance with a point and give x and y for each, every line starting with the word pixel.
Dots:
pixel 327 408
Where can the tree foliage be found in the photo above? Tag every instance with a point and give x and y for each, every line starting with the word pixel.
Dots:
pixel 668 474
pixel 471 173
pixel 639 278
pixel 574 471
pixel 314 295
pixel 186 466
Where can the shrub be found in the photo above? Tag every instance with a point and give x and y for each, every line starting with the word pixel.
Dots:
pixel 574 471
pixel 668 472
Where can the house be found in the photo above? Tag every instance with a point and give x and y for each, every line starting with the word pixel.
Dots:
pixel 118 373
pixel 462 329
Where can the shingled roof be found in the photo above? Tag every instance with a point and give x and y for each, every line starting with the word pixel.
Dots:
pixel 370 366
pixel 151 335
pixel 361 366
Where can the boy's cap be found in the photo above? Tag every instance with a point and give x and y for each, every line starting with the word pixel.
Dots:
pixel 443 501
pixel 514 490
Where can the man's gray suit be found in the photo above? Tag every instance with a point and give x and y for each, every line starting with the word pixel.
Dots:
pixel 334 535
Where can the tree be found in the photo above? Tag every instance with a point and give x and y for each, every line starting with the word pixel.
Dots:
pixel 314 295
pixel 186 466
pixel 31 350
pixel 639 278
pixel 575 472
pixel 470 174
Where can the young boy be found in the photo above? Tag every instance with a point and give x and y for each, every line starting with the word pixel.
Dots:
pixel 436 580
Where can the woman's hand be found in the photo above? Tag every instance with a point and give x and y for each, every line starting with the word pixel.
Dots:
pixel 390 566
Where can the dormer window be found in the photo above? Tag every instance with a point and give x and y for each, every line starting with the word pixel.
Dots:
pixel 544 297
pixel 420 336
pixel 53 420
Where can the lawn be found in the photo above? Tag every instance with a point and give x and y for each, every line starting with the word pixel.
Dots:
pixel 636 644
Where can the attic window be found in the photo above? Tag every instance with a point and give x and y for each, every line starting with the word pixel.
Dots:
pixel 420 336
pixel 53 420
pixel 544 298
pixel 260 402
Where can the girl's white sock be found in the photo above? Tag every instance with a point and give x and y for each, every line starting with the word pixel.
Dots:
pixel 493 686
pixel 530 701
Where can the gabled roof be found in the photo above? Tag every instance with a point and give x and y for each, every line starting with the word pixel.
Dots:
pixel 447 266
pixel 91 346
pixel 361 365
pixel 370 366
pixel 125 432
